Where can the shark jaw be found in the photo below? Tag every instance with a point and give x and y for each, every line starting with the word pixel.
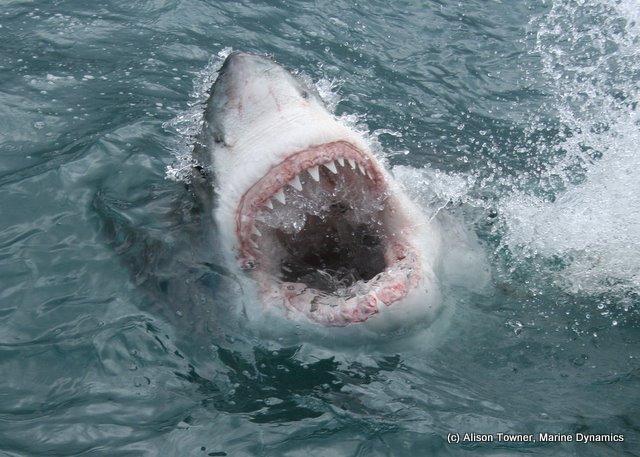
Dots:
pixel 325 238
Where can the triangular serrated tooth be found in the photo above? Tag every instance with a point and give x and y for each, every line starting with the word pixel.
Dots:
pixel 255 231
pixel 340 161
pixel 352 163
pixel 280 196
pixel 253 243
pixel 361 169
pixel 331 166
pixel 314 172
pixel 268 204
pixel 295 183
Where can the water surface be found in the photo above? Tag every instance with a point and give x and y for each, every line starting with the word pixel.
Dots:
pixel 515 123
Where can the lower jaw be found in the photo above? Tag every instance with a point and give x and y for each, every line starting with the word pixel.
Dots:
pixel 299 301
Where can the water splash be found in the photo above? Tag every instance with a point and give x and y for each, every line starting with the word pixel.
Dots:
pixel 187 125
pixel 589 215
pixel 433 189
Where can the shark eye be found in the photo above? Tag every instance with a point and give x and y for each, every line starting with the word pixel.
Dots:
pixel 217 138
pixel 304 94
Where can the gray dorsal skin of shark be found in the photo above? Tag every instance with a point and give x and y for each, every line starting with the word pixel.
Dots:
pixel 306 212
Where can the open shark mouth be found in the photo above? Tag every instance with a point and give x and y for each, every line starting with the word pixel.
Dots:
pixel 323 236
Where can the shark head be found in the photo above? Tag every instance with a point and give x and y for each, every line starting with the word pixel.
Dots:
pixel 306 210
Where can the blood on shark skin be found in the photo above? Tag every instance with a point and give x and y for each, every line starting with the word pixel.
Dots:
pixel 306 211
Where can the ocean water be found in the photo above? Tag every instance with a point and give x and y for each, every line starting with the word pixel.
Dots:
pixel 515 123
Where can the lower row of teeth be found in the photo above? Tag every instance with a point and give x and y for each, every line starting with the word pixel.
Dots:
pixel 314 172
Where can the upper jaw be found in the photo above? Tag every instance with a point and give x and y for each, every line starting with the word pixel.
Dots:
pixel 271 187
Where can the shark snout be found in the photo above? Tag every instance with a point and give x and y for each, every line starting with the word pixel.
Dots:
pixel 245 65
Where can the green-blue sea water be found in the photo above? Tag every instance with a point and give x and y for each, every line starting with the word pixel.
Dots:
pixel 515 123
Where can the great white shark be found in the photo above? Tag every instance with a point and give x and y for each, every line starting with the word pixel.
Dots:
pixel 305 210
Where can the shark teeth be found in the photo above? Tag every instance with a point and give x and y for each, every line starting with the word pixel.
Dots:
pixel 331 166
pixel 295 183
pixel 255 231
pixel 315 173
pixel 280 196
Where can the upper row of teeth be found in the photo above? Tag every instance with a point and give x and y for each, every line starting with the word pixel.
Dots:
pixel 314 172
